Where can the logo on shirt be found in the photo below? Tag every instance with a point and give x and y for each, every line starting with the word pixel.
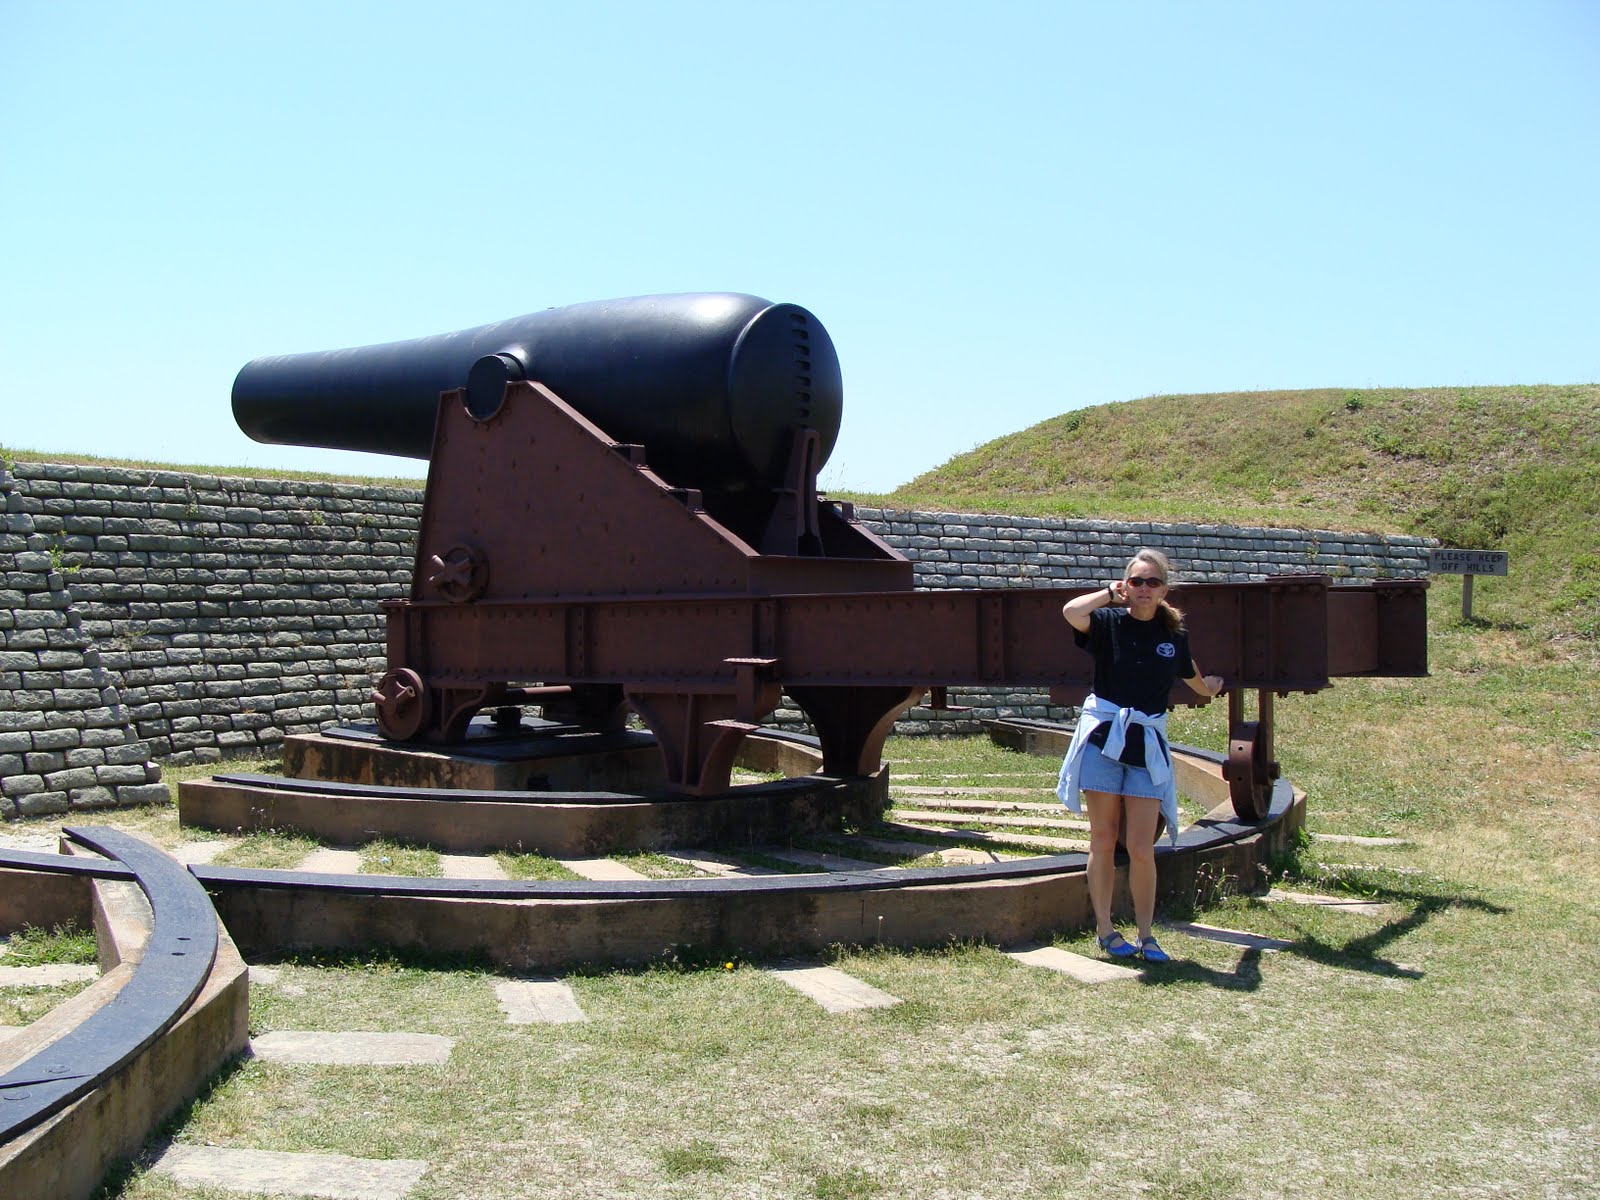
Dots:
pixel 1167 650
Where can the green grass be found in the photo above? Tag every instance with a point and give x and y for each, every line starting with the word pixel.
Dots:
pixel 533 866
pixel 1508 468
pixel 13 454
pixel 267 850
pixel 1440 1050
pixel 385 857
pixel 32 947
pixel 659 866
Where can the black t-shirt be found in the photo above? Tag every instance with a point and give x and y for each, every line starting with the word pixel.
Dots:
pixel 1135 665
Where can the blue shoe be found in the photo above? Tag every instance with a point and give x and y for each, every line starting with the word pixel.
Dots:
pixel 1116 945
pixel 1150 952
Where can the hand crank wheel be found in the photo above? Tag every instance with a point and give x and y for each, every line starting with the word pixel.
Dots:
pixel 403 705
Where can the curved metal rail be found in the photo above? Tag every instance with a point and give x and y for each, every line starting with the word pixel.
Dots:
pixel 1203 835
pixel 177 959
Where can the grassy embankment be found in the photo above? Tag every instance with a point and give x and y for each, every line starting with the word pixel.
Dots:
pixel 11 454
pixel 1514 469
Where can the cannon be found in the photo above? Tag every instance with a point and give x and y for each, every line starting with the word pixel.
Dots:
pixel 622 513
pixel 717 386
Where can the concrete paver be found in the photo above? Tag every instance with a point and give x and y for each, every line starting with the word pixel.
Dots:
pixel 600 868
pixel 964 790
pixel 822 861
pixel 890 846
pixel 1079 966
pixel 966 856
pixel 952 855
pixel 194 853
pixel 331 862
pixel 1350 904
pixel 353 1048
pixel 1352 839
pixel 968 804
pixel 272 977
pixel 713 863
pixel 48 975
pixel 277 1173
pixel 538 1002
pixel 1013 775
pixel 1004 820
pixel 833 989
pixel 31 843
pixel 470 866
pixel 1021 841
pixel 1231 937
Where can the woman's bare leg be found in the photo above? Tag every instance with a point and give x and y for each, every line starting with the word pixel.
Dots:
pixel 1143 813
pixel 1105 815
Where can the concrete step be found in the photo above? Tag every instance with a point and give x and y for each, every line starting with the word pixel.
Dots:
pixel 1353 839
pixel 538 1002
pixel 331 862
pixel 470 866
pixel 819 859
pixel 963 802
pixel 600 869
pixel 1020 843
pixel 356 1048
pixel 48 975
pixel 192 854
pixel 1078 966
pixel 1349 904
pixel 959 790
pixel 1002 838
pixel 948 816
pixel 279 1173
pixel 1229 937
pixel 713 863
pixel 836 991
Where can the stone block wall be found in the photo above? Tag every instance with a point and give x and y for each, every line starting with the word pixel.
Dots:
pixel 225 612
pixel 161 616
pixel 66 740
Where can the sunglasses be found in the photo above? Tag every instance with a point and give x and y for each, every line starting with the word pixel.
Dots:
pixel 1144 582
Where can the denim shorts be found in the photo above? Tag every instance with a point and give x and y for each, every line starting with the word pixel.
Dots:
pixel 1097 773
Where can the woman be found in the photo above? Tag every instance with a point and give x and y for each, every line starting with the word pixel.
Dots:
pixel 1118 760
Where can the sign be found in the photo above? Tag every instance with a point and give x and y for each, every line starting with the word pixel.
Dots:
pixel 1468 562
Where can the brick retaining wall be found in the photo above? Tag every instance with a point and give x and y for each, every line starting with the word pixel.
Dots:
pixel 158 616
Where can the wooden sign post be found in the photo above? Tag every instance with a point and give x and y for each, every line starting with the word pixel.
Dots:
pixel 1468 563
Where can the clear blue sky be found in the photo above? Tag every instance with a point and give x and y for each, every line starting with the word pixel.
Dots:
pixel 1001 212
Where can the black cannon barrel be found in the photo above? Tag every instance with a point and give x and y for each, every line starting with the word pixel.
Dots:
pixel 712 384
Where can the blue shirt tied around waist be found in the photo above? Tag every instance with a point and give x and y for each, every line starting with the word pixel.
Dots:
pixel 1157 758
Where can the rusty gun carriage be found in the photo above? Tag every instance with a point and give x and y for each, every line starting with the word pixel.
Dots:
pixel 622 513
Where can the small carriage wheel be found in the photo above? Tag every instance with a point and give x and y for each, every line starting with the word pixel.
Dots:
pixel 1249 773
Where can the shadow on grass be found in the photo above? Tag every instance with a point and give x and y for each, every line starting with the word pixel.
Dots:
pixel 1500 625
pixel 1245 976
pixel 1362 953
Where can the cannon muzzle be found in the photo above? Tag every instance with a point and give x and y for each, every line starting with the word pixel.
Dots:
pixel 713 385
